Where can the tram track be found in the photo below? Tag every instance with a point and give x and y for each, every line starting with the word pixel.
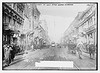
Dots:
pixel 74 64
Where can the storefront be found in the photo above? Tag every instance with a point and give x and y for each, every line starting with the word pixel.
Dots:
pixel 11 21
pixel 91 34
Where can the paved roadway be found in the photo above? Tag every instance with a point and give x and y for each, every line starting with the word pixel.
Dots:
pixel 27 61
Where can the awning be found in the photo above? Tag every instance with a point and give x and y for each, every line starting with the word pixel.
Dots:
pixel 90 29
pixel 8 32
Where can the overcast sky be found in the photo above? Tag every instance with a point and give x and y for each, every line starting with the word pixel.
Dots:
pixel 58 18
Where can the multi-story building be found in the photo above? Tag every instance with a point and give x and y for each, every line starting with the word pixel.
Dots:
pixel 12 20
pixel 88 24
pixel 85 23
pixel 20 20
pixel 43 36
pixel 27 26
pixel 43 24
pixel 71 32
pixel 32 16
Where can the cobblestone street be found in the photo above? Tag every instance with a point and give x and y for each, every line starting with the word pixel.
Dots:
pixel 27 61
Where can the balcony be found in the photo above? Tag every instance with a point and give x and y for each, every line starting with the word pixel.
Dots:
pixel 90 29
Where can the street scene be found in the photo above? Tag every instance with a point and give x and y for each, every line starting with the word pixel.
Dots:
pixel 49 36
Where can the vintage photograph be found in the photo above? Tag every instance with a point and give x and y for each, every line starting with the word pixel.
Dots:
pixel 50 36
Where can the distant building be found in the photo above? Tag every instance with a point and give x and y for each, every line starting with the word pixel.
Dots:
pixel 71 31
pixel 43 23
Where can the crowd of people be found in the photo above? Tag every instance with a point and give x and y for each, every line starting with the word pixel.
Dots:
pixel 9 52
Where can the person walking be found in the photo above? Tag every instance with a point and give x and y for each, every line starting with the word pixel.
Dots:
pixel 13 51
pixel 91 49
pixel 7 54
pixel 79 48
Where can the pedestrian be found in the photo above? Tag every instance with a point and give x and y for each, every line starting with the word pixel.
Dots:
pixel 91 49
pixel 3 52
pixel 79 48
pixel 13 51
pixel 8 54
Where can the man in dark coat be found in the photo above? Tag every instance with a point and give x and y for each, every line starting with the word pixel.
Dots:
pixel 92 50
pixel 13 51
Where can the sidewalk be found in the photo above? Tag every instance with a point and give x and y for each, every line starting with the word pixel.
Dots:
pixel 84 63
pixel 86 54
pixel 19 57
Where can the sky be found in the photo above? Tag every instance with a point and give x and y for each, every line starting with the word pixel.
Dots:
pixel 58 18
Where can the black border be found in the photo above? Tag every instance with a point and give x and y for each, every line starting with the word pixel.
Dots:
pixel 55 69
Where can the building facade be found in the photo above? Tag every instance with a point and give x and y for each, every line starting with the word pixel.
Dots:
pixel 88 24
pixel 84 24
pixel 12 21
pixel 20 21
pixel 32 19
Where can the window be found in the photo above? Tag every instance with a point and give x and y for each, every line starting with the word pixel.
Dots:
pixel 14 6
pixel 10 20
pixel 89 22
pixel 14 22
pixel 17 8
pixel 93 18
pixel 4 18
pixel 7 19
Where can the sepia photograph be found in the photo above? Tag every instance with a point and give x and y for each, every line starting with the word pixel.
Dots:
pixel 50 36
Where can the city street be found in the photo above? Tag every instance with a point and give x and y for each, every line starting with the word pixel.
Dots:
pixel 27 61
pixel 49 36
